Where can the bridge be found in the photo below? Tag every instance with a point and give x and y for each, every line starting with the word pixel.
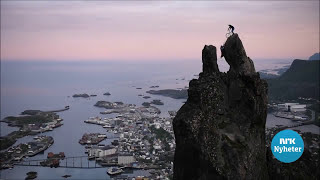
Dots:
pixel 311 121
pixel 296 125
pixel 68 162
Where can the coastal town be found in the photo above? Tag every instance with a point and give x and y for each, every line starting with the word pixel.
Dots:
pixel 145 140
pixel 293 111
pixel 300 114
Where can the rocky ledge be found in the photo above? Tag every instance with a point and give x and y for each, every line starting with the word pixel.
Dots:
pixel 220 130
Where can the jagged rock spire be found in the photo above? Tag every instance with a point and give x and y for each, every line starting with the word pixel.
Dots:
pixel 209 59
pixel 236 56
pixel 220 130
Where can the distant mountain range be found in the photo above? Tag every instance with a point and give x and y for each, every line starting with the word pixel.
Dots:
pixel 300 80
pixel 316 56
pixel 264 74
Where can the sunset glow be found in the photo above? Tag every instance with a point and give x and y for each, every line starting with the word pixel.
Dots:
pixel 78 30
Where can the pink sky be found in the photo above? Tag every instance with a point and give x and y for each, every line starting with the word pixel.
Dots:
pixel 160 30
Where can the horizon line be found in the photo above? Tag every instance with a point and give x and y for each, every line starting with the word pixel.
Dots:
pixel 133 60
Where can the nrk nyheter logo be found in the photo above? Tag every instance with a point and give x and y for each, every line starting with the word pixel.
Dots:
pixel 287 146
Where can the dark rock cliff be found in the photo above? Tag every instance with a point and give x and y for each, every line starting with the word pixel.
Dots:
pixel 300 80
pixel 220 130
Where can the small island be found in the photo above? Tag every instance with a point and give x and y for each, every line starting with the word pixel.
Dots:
pixel 123 109
pixel 31 175
pixel 107 94
pixel 157 102
pixel 32 122
pixel 109 105
pixel 92 138
pixel 81 95
pixel 173 93
pixel 146 104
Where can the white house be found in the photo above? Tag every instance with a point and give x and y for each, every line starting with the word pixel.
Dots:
pixel 97 151
pixel 124 159
pixel 298 108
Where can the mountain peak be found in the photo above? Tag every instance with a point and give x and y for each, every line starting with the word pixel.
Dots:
pixel 315 56
pixel 236 56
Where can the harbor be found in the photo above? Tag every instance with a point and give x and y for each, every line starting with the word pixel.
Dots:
pixel 145 139
pixel 92 138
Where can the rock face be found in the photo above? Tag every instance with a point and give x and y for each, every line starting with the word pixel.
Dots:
pixel 220 130
pixel 237 58
pixel 209 59
pixel 302 79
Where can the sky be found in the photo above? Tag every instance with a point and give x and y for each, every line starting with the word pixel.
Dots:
pixel 157 30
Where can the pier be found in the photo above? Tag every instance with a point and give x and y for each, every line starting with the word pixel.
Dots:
pixel 296 125
pixel 59 110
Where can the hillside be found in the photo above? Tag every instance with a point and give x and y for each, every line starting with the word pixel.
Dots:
pixel 300 80
pixel 315 56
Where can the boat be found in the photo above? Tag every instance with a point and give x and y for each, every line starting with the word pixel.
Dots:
pixel 37 137
pixel 102 136
pixel 7 166
pixel 88 146
pixel 108 126
pixel 114 171
pixel 66 176
pixel 91 157
pixel 95 118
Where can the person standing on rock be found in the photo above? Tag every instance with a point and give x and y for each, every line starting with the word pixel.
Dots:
pixel 231 28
